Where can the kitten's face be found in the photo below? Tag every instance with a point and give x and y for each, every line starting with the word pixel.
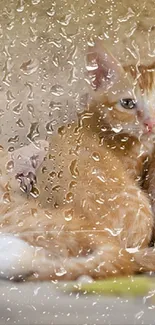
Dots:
pixel 125 97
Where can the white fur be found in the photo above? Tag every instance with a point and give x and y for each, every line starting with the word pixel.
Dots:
pixel 16 256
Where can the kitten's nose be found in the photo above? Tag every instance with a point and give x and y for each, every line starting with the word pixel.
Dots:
pixel 149 124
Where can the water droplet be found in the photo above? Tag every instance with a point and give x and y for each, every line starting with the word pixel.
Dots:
pixel 10 25
pixel 90 26
pixel 62 131
pixel 20 223
pixel 72 77
pixel 33 17
pixel 55 60
pixel 10 166
pixel 129 14
pixel 34 161
pixel 23 21
pixel 6 197
pixel 11 149
pixel 69 214
pixel 101 178
pixel 18 108
pixel 51 157
pixel 117 129
pixel 101 199
pixel 73 168
pixel 7 71
pixel 30 94
pixel 84 279
pixel 20 123
pixel 51 12
pixel 9 12
pixel 1 112
pixel 72 55
pixel 24 42
pixel 30 66
pixel 49 214
pixel 20 6
pixel 104 128
pixel 43 88
pixel 34 192
pixel 54 106
pixel 45 59
pixel 31 109
pixel 56 188
pixel 92 66
pixel 49 127
pixel 57 90
pixel 139 315
pixel 9 96
pixel 69 197
pixel 65 35
pixel 49 200
pixel 34 131
pixel 84 116
pixel 56 42
pixel 91 13
pixel 72 185
pixel 44 170
pixel 1 31
pixel 46 188
pixel 114 232
pixel 33 34
pixel 96 156
pixel 35 2
pixel 61 272
pixel 14 139
pixel 60 174
pixel 52 174
pixel 65 20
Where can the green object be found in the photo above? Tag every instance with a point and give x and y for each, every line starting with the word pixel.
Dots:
pixel 126 286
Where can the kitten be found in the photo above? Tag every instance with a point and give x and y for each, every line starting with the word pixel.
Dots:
pixel 102 222
pixel 134 140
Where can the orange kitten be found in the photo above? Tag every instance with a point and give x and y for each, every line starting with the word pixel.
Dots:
pixel 101 223
pixel 134 138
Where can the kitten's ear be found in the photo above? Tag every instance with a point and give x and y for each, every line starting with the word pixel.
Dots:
pixel 103 69
pixel 29 158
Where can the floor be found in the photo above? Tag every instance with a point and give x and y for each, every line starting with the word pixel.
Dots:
pixel 35 303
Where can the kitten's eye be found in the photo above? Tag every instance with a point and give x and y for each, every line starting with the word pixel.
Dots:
pixel 128 103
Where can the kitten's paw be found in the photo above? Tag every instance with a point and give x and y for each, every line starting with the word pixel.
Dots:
pixel 27 181
pixel 16 257
pixel 26 161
